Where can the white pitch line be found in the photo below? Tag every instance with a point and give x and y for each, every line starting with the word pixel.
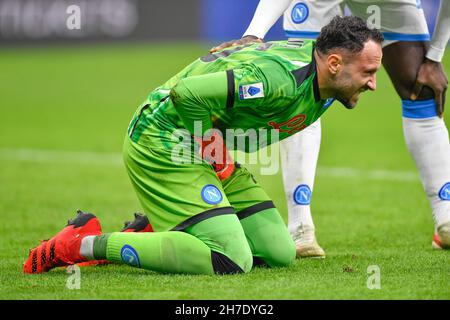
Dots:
pixel 374 174
pixel 115 159
pixel 61 156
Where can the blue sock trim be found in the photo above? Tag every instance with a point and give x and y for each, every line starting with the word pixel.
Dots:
pixel 419 109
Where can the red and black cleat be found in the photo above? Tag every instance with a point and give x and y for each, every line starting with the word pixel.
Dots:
pixel 140 224
pixel 64 248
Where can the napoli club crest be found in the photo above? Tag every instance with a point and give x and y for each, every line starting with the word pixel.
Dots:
pixel 130 256
pixel 300 13
pixel 211 194
pixel 302 195
pixel 444 193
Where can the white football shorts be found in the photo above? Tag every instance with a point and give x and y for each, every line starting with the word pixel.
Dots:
pixel 399 20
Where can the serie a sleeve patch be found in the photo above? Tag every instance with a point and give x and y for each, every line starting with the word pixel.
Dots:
pixel 251 91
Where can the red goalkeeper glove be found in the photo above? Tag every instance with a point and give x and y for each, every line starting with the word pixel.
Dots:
pixel 213 150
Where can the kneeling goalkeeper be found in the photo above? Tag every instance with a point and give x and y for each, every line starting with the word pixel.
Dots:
pixel 208 213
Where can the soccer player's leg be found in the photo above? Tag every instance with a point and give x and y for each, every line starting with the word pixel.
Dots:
pixel 193 219
pixel 425 133
pixel 215 245
pixel 169 252
pixel 265 230
pixel 299 154
pixel 139 224
pixel 197 231
pixel 81 240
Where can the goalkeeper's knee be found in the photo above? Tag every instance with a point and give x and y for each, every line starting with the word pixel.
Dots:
pixel 223 234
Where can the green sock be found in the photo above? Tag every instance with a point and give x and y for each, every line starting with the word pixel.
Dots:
pixel 100 243
pixel 169 252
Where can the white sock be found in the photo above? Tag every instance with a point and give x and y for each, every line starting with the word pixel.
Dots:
pixel 87 247
pixel 428 142
pixel 299 154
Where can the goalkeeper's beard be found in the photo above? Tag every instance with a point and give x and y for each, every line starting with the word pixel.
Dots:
pixel 347 102
pixel 346 94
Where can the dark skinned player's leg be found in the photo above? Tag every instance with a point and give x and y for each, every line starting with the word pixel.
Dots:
pixel 425 133
pixel 403 72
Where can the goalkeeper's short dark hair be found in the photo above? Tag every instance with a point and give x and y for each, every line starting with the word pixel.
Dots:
pixel 349 33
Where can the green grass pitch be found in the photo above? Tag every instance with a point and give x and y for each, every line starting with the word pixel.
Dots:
pixel 63 117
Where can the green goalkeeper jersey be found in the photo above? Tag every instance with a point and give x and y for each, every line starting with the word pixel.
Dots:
pixel 247 89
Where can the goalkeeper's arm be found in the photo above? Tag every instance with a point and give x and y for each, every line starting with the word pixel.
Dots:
pixel 195 98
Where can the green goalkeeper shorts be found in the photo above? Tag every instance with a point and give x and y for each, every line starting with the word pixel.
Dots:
pixel 178 195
